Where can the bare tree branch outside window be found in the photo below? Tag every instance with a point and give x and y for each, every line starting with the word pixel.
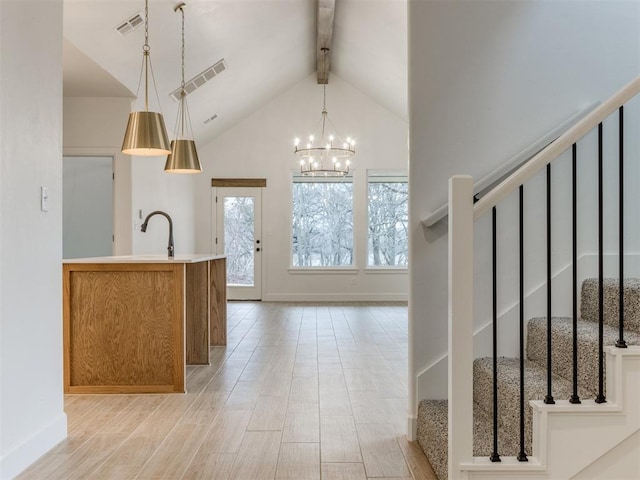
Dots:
pixel 322 224
pixel 388 223
pixel 238 239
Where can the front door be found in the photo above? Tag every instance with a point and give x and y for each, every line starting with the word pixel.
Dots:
pixel 238 236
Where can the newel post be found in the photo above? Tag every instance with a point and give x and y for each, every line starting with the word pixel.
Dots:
pixel 460 323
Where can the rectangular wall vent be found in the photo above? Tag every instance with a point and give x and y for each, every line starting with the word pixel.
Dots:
pixel 210 119
pixel 200 79
pixel 130 24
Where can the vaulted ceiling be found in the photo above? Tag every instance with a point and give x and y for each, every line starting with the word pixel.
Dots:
pixel 268 46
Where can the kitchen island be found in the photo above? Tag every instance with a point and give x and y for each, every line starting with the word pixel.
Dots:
pixel 132 322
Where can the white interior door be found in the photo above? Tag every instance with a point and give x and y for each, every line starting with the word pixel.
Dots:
pixel 239 237
pixel 87 206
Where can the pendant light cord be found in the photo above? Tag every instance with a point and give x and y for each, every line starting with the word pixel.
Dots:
pixel 182 92
pixel 145 51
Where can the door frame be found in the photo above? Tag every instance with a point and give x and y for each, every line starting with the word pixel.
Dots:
pixel 219 186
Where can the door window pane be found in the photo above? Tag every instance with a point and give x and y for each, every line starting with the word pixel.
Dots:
pixel 322 222
pixel 239 239
pixel 388 220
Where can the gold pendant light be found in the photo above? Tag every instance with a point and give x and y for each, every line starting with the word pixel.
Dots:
pixel 183 157
pixel 146 134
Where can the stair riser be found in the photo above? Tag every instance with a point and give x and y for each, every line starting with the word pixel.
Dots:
pixel 590 305
pixel 508 404
pixel 562 352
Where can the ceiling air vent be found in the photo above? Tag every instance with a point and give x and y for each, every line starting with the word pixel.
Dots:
pixel 210 119
pixel 201 79
pixel 130 24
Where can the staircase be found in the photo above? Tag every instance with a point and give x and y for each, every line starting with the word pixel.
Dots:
pixel 588 425
pixel 432 414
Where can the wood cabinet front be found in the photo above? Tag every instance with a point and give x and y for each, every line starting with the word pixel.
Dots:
pixel 124 328
pixel 132 327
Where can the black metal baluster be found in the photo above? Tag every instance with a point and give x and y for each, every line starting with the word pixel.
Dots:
pixel 495 457
pixel 549 398
pixel 600 397
pixel 574 397
pixel 621 342
pixel 522 456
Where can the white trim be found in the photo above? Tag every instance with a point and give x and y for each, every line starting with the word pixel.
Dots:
pixel 323 270
pixel 335 297
pixel 460 323
pixel 490 180
pixel 553 151
pixel 21 456
pixel 412 428
pixel 383 270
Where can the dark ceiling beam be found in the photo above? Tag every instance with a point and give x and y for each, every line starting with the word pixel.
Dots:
pixel 326 11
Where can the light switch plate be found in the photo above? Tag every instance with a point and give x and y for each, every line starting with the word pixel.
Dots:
pixel 44 199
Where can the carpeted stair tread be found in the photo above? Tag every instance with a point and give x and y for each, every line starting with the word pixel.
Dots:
pixel 433 433
pixel 562 348
pixel 589 302
pixel 535 382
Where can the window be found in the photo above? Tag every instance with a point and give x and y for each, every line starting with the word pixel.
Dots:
pixel 388 219
pixel 322 222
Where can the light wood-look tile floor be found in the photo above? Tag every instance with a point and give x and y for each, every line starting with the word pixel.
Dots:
pixel 300 392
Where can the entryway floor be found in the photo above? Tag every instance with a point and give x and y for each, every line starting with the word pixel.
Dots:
pixel 301 391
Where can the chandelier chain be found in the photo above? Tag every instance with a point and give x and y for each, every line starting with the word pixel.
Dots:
pixel 182 53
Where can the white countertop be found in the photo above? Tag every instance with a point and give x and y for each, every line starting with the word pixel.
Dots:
pixel 185 258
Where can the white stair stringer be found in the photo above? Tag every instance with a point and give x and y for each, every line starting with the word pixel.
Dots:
pixel 567 438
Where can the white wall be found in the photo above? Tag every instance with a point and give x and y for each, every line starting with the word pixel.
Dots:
pixel 153 189
pixel 32 419
pixel 95 126
pixel 487 79
pixel 261 146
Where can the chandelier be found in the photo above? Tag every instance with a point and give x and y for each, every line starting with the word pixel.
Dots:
pixel 325 153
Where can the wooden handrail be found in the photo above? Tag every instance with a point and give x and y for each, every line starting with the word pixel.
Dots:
pixel 555 149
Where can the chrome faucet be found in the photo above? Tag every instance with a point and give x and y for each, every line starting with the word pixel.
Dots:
pixel 143 228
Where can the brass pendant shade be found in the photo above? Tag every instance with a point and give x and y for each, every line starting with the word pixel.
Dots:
pixel 183 157
pixel 146 135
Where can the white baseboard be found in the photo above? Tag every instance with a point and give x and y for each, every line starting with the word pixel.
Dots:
pixel 21 456
pixel 412 428
pixel 335 297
